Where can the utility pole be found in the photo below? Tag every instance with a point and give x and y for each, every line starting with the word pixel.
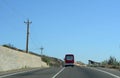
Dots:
pixel 27 39
pixel 41 50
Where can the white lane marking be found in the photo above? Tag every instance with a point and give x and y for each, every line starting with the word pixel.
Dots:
pixel 58 72
pixel 17 73
pixel 113 75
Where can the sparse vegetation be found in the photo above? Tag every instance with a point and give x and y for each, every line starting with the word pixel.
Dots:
pixel 80 63
pixel 46 59
pixel 12 47
pixel 9 46
pixel 111 63
pixel 51 61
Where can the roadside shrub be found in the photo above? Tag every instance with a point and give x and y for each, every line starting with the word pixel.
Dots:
pixel 45 59
pixel 111 63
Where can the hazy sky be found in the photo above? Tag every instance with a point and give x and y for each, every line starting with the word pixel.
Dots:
pixel 90 29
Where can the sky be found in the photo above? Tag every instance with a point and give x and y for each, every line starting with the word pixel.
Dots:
pixel 89 29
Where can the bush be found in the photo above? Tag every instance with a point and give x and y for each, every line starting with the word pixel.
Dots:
pixel 45 59
pixel 51 61
pixel 9 46
pixel 111 63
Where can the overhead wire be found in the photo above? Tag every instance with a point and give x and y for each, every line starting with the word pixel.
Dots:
pixel 34 44
pixel 13 10
pixel 21 15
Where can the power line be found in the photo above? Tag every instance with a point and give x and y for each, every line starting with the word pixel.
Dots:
pixel 33 43
pixel 16 13
pixel 13 10
pixel 37 46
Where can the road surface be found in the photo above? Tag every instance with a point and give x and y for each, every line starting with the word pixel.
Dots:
pixel 67 72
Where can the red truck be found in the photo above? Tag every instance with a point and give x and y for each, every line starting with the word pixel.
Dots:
pixel 69 60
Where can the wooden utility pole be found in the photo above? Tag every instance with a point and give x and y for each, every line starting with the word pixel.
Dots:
pixel 27 39
pixel 41 50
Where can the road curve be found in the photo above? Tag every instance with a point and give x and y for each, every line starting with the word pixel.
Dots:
pixel 68 72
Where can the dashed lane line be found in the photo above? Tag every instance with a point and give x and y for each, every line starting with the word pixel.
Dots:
pixel 58 73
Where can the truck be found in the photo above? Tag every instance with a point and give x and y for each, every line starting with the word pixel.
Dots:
pixel 69 60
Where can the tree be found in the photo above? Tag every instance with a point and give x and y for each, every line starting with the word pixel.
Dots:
pixel 112 61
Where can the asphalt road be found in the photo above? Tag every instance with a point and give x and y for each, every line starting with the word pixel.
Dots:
pixel 67 72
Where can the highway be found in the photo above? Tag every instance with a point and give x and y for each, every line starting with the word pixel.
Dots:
pixel 67 72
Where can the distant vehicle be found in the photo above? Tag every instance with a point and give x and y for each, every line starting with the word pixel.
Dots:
pixel 69 60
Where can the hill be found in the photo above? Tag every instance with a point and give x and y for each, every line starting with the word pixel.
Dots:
pixel 26 59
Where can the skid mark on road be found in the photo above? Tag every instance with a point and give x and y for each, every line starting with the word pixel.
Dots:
pixel 113 75
pixel 58 73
